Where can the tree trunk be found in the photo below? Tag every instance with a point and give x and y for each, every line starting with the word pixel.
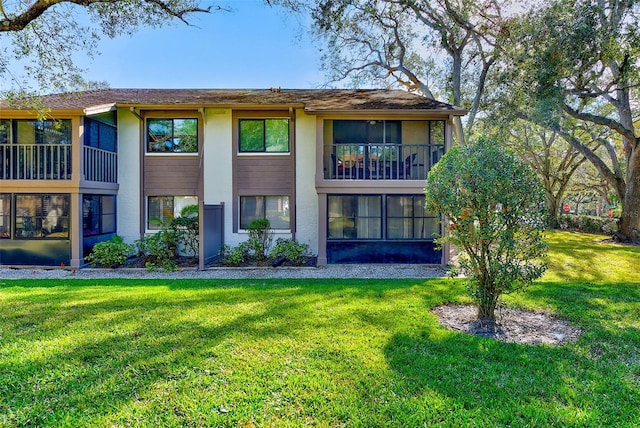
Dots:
pixel 629 223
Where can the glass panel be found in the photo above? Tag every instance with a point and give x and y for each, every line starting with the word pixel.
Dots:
pixel 427 228
pixel 108 138
pixel 5 215
pixel 349 131
pixel 437 132
pixel 108 217
pixel 399 228
pixel 251 208
pixel 399 206
pixel 252 135
pixel 42 216
pixel 90 215
pixel 91 133
pixel 25 132
pixel 160 133
pixel 5 128
pixel 185 135
pixel 55 131
pixel 277 135
pixel 180 202
pixel 369 221
pixel 277 211
pixel 160 211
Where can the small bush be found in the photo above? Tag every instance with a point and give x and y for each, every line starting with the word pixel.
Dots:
pixel 260 238
pixel 291 250
pixel 588 224
pixel 186 230
pixel 158 251
pixel 234 256
pixel 112 253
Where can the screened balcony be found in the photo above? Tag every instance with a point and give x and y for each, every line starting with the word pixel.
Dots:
pixel 380 161
pixel 381 150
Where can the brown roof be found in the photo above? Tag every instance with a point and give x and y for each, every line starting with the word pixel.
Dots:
pixel 313 100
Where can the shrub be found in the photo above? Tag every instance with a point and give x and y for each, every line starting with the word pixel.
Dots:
pixel 234 256
pixel 158 251
pixel 588 224
pixel 186 230
pixel 291 250
pixel 112 253
pixel 495 206
pixel 260 238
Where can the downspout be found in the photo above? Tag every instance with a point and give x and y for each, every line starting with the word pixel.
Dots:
pixel 292 138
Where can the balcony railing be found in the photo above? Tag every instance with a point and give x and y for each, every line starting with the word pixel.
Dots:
pixel 35 161
pixel 380 161
pixel 100 165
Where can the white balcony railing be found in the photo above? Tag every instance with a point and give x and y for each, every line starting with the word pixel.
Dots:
pixel 100 165
pixel 35 161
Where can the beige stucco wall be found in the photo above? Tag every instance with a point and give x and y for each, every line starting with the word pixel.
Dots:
pixel 306 196
pixel 128 176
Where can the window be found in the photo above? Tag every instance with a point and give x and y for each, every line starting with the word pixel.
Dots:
pixel 407 219
pixel 5 215
pixel 355 217
pixel 273 208
pixel 42 216
pixel 98 215
pixel 172 135
pixel 41 132
pixel 264 135
pixel 100 135
pixel 163 209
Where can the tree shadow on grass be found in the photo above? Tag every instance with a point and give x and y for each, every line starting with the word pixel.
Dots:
pixel 456 379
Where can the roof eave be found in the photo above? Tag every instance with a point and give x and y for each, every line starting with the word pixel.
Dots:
pixel 387 112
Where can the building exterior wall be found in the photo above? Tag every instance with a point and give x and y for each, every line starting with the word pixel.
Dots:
pixel 306 197
pixel 129 212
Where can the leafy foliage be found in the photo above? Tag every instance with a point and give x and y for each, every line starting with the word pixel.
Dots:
pixel 496 208
pixel 111 253
pixel 260 238
pixel 293 251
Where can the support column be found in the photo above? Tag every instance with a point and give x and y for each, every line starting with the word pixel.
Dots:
pixel 75 230
pixel 322 229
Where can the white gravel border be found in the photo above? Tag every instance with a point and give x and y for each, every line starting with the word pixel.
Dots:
pixel 329 271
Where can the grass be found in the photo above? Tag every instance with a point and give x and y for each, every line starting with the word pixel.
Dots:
pixel 318 352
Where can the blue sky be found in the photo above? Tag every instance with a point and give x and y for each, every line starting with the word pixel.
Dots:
pixel 253 46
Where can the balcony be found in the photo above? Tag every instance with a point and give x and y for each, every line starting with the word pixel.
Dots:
pixel 35 162
pixel 380 161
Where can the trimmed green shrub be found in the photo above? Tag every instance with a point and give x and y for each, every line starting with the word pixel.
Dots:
pixel 588 224
pixel 111 253
pixel 158 251
pixel 291 250
pixel 260 238
pixel 234 256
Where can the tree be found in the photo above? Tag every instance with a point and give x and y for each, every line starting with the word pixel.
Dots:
pixel 495 206
pixel 44 35
pixel 580 59
pixel 438 48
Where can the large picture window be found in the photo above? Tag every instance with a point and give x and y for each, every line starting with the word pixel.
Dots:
pixel 98 215
pixel 172 135
pixel 273 208
pixel 355 217
pixel 390 217
pixel 163 209
pixel 264 135
pixel 42 216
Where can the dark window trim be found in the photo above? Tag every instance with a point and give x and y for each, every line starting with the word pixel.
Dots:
pixel 172 119
pixel 264 136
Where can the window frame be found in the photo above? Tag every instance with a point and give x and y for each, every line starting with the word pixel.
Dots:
pixel 147 138
pixel 242 226
pixel 355 217
pixel 413 217
pixel 264 150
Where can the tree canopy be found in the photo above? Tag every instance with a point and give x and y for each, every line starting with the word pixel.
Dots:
pixel 41 37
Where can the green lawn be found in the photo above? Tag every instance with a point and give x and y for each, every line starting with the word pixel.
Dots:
pixel 318 352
